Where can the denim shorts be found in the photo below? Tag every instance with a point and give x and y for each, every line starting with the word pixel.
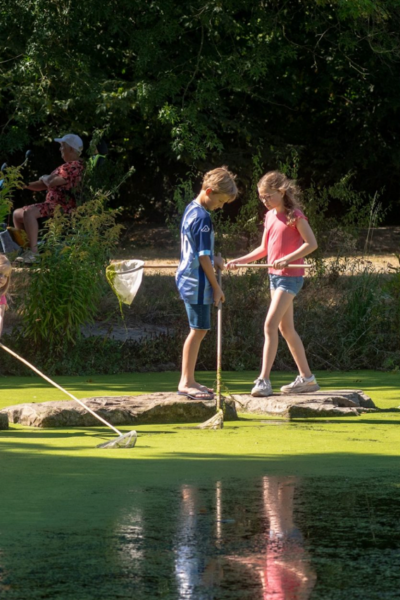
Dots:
pixel 291 285
pixel 199 315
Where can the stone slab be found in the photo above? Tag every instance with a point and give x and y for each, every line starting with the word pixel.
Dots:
pixel 331 403
pixel 118 410
pixel 3 421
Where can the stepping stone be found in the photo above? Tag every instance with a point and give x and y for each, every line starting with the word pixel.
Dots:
pixel 117 410
pixel 3 421
pixel 332 403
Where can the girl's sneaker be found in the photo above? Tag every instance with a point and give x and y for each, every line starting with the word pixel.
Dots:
pixel 301 385
pixel 262 388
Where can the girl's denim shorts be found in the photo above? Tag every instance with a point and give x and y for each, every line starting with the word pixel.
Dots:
pixel 291 285
pixel 199 315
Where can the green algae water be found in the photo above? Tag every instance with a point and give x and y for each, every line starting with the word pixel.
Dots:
pixel 268 537
pixel 263 509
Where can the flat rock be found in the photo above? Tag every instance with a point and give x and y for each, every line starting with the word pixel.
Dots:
pixel 332 403
pixel 117 410
pixel 3 421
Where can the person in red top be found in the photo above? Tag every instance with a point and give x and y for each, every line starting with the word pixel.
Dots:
pixel 287 238
pixel 59 186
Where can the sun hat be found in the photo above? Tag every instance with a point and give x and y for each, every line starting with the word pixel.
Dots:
pixel 72 140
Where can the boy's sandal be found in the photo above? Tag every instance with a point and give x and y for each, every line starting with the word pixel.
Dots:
pixel 200 395
pixel 206 389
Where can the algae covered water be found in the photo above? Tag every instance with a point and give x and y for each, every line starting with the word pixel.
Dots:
pixel 262 509
pixel 267 537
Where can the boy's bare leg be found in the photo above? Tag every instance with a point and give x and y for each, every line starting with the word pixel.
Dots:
pixel 190 353
pixel 280 303
pixel 294 342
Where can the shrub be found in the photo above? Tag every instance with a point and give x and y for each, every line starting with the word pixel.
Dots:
pixel 66 286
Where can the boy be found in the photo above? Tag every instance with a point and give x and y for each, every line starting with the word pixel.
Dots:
pixel 195 278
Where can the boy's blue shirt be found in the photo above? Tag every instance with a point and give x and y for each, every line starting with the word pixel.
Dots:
pixel 197 239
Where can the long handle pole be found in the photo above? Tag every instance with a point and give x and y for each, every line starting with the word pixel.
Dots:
pixel 28 364
pixel 248 266
pixel 219 343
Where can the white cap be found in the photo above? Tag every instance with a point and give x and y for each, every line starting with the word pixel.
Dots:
pixel 72 140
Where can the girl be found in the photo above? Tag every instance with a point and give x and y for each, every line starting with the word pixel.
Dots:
pixel 287 239
pixel 5 272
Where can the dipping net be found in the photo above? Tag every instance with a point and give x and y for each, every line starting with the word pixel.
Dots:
pixel 125 277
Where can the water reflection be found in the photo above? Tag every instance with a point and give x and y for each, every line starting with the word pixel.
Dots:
pixel 251 546
pixel 261 539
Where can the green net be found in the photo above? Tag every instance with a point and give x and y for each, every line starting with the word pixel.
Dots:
pixel 125 277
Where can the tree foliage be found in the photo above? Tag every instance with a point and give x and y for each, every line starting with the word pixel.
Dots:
pixel 178 85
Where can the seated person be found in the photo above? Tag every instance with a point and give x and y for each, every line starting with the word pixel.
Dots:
pixel 58 185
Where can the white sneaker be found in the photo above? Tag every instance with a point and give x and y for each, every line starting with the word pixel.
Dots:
pixel 301 385
pixel 262 388
pixel 27 257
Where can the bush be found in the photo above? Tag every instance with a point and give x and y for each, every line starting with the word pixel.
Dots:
pixel 66 287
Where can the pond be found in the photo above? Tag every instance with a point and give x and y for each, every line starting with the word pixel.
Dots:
pixel 268 537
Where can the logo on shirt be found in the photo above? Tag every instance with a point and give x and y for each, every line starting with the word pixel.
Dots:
pixel 205 229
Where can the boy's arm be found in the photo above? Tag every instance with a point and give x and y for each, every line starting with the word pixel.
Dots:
pixel 208 269
pixel 259 252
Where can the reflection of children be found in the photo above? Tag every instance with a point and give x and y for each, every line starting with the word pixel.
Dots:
pixel 287 239
pixel 5 273
pixel 195 278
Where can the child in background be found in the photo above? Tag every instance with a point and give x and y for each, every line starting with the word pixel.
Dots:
pixel 195 277
pixel 5 273
pixel 287 239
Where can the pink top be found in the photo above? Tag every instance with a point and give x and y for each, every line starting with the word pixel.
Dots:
pixel 282 239
pixel 3 300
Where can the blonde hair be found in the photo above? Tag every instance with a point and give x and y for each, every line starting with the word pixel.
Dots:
pixel 5 265
pixel 221 181
pixel 291 192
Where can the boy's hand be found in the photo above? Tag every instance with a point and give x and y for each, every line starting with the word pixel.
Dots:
pixel 219 263
pixel 219 296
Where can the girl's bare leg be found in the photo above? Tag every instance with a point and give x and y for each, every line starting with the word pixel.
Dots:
pixel 294 342
pixel 280 302
pixel 31 225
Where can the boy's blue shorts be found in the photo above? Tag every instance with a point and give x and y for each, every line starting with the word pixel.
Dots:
pixel 291 285
pixel 199 315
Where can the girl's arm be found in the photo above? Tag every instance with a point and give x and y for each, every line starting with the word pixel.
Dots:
pixel 2 310
pixel 259 252
pixel 309 245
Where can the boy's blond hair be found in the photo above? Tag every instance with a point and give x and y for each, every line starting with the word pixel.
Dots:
pixel 221 181
pixel 5 266
pixel 291 192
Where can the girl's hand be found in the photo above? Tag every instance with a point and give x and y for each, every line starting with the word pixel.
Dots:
pixel 282 263
pixel 233 264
